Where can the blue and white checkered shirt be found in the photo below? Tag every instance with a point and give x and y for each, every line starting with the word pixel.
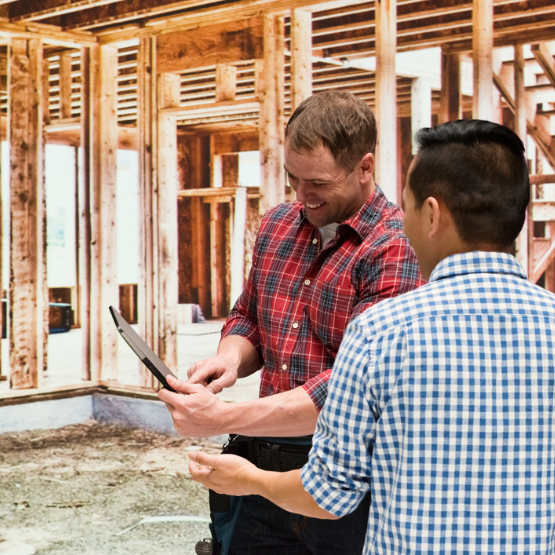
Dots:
pixel 442 404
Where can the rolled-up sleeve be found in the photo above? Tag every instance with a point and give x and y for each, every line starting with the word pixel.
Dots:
pixel 242 319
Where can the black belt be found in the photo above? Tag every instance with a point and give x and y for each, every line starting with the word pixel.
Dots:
pixel 276 454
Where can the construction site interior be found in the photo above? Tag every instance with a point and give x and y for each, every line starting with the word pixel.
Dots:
pixel 143 139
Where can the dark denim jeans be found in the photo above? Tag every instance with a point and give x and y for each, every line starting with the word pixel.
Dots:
pixel 265 529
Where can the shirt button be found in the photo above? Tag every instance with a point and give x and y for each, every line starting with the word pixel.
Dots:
pixel 295 325
pixel 314 241
pixel 307 282
pixel 284 366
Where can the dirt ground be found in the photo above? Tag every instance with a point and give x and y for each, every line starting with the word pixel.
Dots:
pixel 84 489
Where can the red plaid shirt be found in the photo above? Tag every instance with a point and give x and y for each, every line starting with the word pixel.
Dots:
pixel 299 297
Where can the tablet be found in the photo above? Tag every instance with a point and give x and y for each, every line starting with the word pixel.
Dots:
pixel 142 350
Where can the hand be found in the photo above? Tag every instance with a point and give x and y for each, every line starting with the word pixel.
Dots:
pixel 198 413
pixel 227 474
pixel 214 373
pixel 234 475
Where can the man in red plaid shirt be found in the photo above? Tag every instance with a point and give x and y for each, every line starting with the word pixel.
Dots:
pixel 318 262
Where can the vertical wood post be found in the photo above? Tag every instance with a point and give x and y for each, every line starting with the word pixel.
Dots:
pixel 77 220
pixel 526 236
pixel 46 91
pixel 386 97
pixel 147 98
pixel 104 283
pixel 65 85
pixel 421 106
pixel 450 101
pixel 238 244
pixel 271 123
pixel 86 251
pixel 168 95
pixel 482 47
pixel 27 255
pixel 279 23
pixel 226 82
pixel 301 56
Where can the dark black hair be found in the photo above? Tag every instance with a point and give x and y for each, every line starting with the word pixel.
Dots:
pixel 338 120
pixel 478 170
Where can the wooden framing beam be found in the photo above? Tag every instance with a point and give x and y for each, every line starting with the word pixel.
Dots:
pixel 301 56
pixel 421 106
pixel 482 47
pixel 148 267
pixel 232 143
pixel 65 85
pixel 46 91
pixel 203 17
pixel 545 59
pixel 543 262
pixel 238 244
pixel 531 128
pixel 28 302
pixel 104 279
pixel 220 43
pixel 523 250
pixel 31 10
pixel 226 82
pixel 520 107
pixel 49 34
pixel 271 124
pixel 87 79
pixel 386 98
pixel 450 87
pixel 77 227
pixel 166 194
pixel 127 10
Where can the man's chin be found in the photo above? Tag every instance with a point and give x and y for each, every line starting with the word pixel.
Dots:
pixel 317 218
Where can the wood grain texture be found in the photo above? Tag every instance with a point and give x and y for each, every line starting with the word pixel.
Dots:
pixel 27 209
pixel 221 43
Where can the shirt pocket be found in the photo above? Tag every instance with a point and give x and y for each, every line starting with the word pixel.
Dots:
pixel 330 309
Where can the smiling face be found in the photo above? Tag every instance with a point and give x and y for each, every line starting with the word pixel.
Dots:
pixel 327 192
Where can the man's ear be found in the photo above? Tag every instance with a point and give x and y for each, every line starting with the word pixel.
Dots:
pixel 367 165
pixel 433 216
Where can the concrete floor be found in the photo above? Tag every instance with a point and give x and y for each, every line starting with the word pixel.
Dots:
pixel 195 342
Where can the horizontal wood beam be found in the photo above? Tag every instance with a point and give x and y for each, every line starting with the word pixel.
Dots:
pixel 221 43
pixel 203 17
pixel 48 33
pixel 127 10
pixel 31 10
pixel 214 108
pixel 540 179
pixel 212 192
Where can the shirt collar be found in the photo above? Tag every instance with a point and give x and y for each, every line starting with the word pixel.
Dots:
pixel 366 217
pixel 477 262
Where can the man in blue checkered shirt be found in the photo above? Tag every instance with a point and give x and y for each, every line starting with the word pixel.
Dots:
pixel 441 401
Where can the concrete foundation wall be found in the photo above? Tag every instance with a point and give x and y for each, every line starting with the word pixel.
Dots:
pixel 103 407
pixel 44 415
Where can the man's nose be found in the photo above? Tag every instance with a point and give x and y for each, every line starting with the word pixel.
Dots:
pixel 301 190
